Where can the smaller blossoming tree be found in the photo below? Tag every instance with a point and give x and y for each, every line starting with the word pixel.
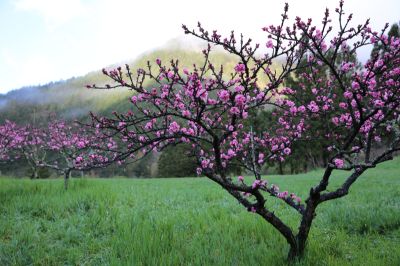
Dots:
pixel 32 148
pixel 207 109
pixel 11 140
pixel 65 147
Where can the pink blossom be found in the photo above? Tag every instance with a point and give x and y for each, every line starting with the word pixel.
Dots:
pixel 379 103
pixel 234 110
pixel 171 75
pixel 239 68
pixel 239 88
pixel 301 109
pixel 260 158
pixel 313 107
pixel 202 94
pixel 240 100
pixel 373 40
pixel 173 128
pixel 148 126
pixel 275 188
pixel 205 163
pixel 186 113
pixel 314 91
pixel 348 94
pixel 287 151
pixel 256 184
pixel 231 153
pixel 355 85
pixel 335 120
pixel 339 163
pixel 199 171
pixel 295 198
pixel 283 195
pixel 224 95
pixel 325 107
pixel 379 63
pixel 79 159
pixel 346 67
pixel 81 144
pixel 293 110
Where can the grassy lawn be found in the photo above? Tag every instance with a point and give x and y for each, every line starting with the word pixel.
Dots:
pixel 192 221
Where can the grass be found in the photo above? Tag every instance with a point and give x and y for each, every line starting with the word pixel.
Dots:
pixel 191 222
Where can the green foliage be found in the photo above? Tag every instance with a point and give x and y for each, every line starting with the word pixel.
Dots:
pixel 176 161
pixel 394 31
pixel 191 222
pixel 144 167
pixel 41 172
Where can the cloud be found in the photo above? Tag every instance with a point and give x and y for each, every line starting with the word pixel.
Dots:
pixel 54 12
pixel 79 36
pixel 31 70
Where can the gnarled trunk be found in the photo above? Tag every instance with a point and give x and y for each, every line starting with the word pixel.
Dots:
pixel 297 250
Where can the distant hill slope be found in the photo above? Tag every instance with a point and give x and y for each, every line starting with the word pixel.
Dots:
pixel 72 100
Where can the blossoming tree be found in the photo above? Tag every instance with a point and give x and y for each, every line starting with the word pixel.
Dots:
pixel 32 147
pixel 206 108
pixel 73 147
pixel 11 139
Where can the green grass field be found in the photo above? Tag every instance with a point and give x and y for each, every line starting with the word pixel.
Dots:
pixel 191 222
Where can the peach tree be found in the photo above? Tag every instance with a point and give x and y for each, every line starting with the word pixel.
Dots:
pixel 72 147
pixel 207 108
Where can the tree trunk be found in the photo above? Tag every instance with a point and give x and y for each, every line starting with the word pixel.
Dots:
pixel 294 253
pixel 324 160
pixel 297 251
pixel 305 167
pixel 67 175
pixel 292 168
pixel 280 168
pixel 34 173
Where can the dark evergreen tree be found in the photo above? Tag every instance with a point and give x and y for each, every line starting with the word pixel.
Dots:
pixel 175 161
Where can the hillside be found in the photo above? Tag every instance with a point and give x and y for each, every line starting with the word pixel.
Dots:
pixel 70 98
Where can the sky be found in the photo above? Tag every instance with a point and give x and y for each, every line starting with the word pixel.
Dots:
pixel 49 40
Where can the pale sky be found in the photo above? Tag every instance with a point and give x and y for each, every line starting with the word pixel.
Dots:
pixel 49 40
